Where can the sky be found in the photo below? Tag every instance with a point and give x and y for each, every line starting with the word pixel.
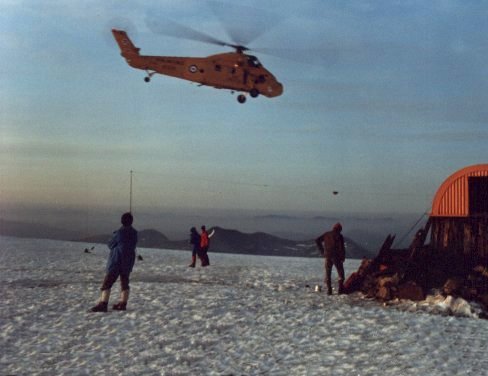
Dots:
pixel 382 101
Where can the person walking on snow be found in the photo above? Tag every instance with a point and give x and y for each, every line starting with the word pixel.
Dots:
pixel 119 264
pixel 331 246
pixel 195 241
pixel 204 244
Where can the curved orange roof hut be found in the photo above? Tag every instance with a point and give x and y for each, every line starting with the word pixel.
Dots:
pixel 462 194
pixel 459 216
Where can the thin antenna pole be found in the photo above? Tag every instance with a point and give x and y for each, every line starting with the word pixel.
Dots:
pixel 130 195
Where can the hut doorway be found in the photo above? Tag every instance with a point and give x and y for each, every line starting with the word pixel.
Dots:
pixel 478 195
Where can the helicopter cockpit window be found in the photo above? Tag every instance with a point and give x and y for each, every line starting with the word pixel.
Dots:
pixel 253 61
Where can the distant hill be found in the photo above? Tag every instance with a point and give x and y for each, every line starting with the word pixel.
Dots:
pixel 276 216
pixel 146 239
pixel 233 241
pixel 259 243
pixel 35 230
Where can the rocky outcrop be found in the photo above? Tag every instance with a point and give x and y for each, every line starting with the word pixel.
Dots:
pixel 415 272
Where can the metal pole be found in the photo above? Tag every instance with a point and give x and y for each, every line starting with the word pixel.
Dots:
pixel 130 195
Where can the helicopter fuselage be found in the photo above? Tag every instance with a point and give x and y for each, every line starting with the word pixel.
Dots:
pixel 235 71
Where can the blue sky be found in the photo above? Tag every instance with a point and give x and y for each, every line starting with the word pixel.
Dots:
pixel 392 102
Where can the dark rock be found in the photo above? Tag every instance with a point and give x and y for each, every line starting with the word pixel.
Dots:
pixel 356 279
pixel 481 270
pixel 368 286
pixel 383 293
pixel 484 300
pixel 453 286
pixel 411 291
pixel 388 281
pixel 387 287
pixel 353 283
pixel 469 293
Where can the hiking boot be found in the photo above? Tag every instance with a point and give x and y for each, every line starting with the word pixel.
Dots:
pixel 100 307
pixel 341 288
pixel 120 306
pixel 329 288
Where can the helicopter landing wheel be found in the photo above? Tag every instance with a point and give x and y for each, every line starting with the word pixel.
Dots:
pixel 241 98
pixel 254 92
pixel 147 79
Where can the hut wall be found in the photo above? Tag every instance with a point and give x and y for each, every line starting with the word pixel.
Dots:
pixel 465 237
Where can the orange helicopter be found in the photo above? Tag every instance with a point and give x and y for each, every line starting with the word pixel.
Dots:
pixel 235 71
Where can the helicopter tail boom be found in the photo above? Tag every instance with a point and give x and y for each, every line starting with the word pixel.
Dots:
pixel 127 48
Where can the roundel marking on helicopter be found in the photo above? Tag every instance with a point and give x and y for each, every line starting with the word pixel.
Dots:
pixel 193 68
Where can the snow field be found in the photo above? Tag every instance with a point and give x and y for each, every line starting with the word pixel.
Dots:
pixel 243 315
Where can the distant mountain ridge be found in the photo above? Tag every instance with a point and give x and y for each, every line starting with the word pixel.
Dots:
pixel 35 230
pixel 223 241
pixel 234 241
pixel 260 243
pixel 147 239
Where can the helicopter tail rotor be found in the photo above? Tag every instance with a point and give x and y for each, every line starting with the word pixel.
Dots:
pixel 126 46
pixel 118 23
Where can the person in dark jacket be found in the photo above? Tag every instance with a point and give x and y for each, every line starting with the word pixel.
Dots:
pixel 119 264
pixel 331 246
pixel 195 241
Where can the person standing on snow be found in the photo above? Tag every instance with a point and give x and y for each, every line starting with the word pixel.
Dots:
pixel 331 246
pixel 119 264
pixel 195 241
pixel 204 244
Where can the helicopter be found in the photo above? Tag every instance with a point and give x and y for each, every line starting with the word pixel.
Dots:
pixel 235 71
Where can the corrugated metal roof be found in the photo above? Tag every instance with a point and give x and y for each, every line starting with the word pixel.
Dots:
pixel 452 197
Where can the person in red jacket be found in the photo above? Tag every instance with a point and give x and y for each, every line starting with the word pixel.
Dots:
pixel 204 244
pixel 331 246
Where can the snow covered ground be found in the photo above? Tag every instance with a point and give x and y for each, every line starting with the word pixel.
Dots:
pixel 244 315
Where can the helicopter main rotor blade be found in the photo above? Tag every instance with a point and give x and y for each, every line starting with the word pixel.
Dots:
pixel 243 24
pixel 312 56
pixel 176 30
